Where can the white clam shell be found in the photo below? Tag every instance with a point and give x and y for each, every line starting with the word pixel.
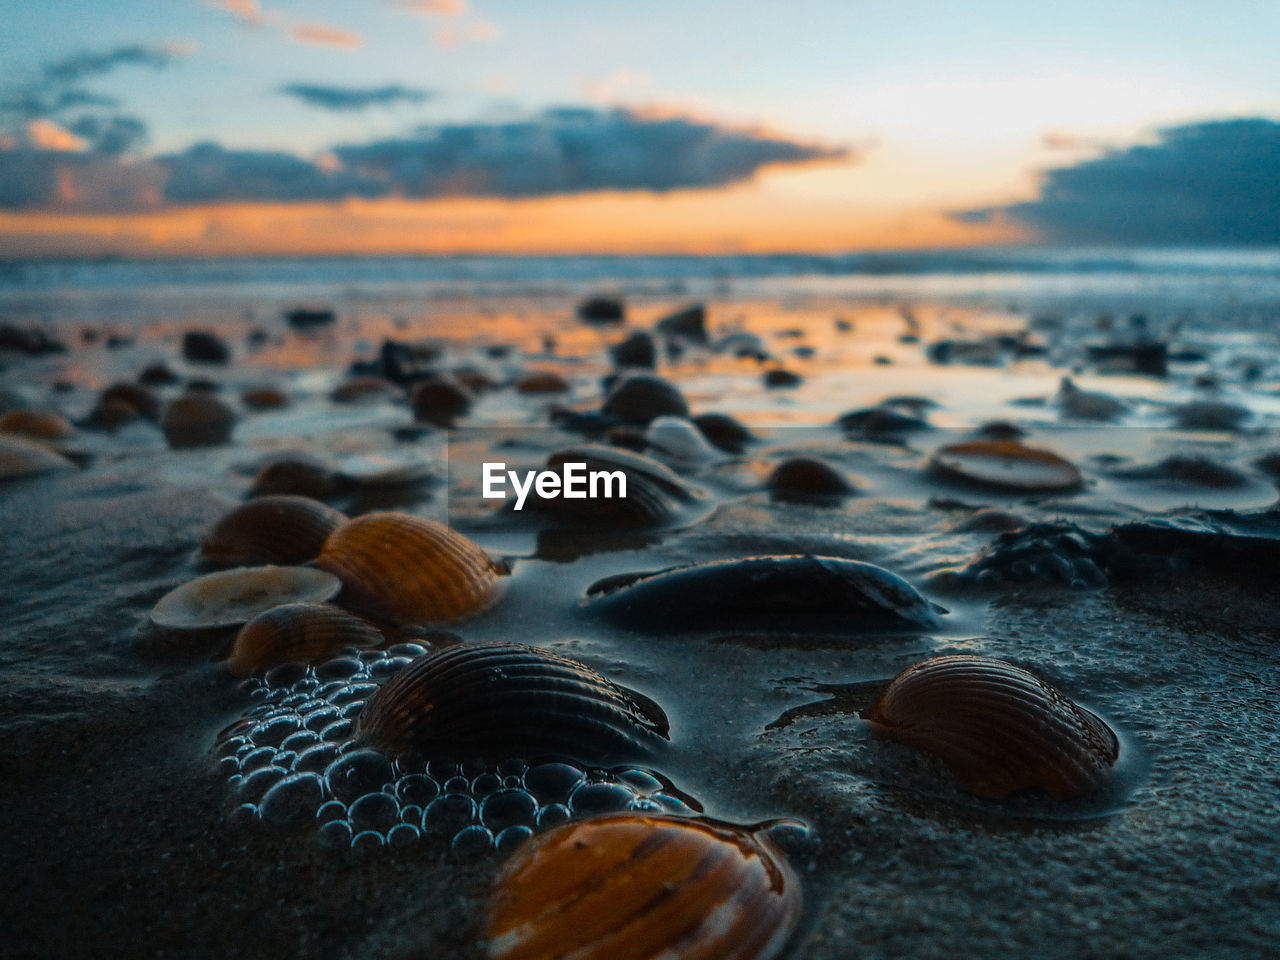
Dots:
pixel 232 597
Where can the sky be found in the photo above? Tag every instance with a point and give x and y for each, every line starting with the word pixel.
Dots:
pixel 230 127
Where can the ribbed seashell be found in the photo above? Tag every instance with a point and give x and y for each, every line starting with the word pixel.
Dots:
pixel 296 473
pixel 21 457
pixel 440 400
pixel 656 495
pixel 679 442
pixel 197 419
pixel 640 397
pixel 806 479
pixel 1005 465
pixel 410 569
pixel 391 469
pixel 542 381
pixel 881 423
pixel 232 597
pixel 1077 404
pixel 637 350
pixel 510 698
pixel 997 727
pixel 724 431
pixel 689 323
pixel 795 593
pixel 631 887
pixel 264 398
pixel 298 633
pixel 120 396
pixel 365 389
pixel 36 424
pixel 275 529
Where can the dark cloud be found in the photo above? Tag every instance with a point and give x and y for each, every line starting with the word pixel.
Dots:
pixel 560 151
pixel 570 151
pixel 208 172
pixel 354 98
pixel 76 68
pixel 1216 182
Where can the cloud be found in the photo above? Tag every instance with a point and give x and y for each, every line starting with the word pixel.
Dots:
pixel 439 8
pixel 320 35
pixel 1213 182
pixel 561 151
pixel 82 65
pixel 354 98
pixel 248 12
pixel 110 136
pixel 571 151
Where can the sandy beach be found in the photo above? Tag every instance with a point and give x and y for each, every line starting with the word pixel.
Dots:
pixel 1142 589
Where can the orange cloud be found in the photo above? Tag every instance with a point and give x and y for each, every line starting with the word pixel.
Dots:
pixel 317 34
pixel 440 8
pixel 248 12
pixel 47 135
pixel 473 31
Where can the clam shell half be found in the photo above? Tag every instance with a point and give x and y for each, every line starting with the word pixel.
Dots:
pixel 232 597
pixel 628 887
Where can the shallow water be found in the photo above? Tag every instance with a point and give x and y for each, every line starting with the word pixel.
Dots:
pixel 111 736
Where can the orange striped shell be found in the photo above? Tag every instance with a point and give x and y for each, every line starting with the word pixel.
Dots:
pixel 275 529
pixel 297 632
pixel 36 424
pixel 410 569
pixel 1005 465
pixel 997 727
pixel 628 887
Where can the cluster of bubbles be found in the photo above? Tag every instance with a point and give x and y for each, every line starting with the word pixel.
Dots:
pixel 292 762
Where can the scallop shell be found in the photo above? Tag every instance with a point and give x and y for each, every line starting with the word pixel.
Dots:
pixel 724 431
pixel 264 398
pixel 656 495
pixel 440 400
pixel 298 632
pixel 391 469
pixel 796 593
pixel 679 442
pixel 20 457
pixel 36 424
pixel 364 389
pixel 510 697
pixel 628 887
pixel 997 727
pixel 410 569
pixel 232 597
pixel 197 419
pixel 275 529
pixel 640 397
pixel 295 473
pixel 542 381
pixel 1005 465
pixel 807 479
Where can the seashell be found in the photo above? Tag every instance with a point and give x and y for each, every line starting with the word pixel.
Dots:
pixel 295 473
pixel 36 424
pixel 20 457
pixel 310 317
pixel 997 727
pixel 1186 469
pixel 1210 415
pixel 275 529
pixel 364 389
pixel 679 442
pixel 440 400
pixel 264 398
pixel 724 431
pixel 410 569
pixel 643 887
pixel 806 479
pixel 780 379
pixel 202 346
pixel 795 593
pixel 474 379
pixel 542 381
pixel 197 419
pixel 601 310
pixel 1005 465
pixel 508 698
pixel 637 350
pixel 111 403
pixel 298 633
pixel 742 345
pixel 232 597
pixel 1080 404
pixel 639 397
pixel 688 323
pixel 880 424
pixel 158 375
pixel 655 494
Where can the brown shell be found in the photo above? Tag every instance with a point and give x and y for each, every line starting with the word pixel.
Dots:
pixel 21 457
pixel 997 727
pixel 296 473
pixel 805 478
pixel 298 632
pixel 440 400
pixel 144 401
pixel 275 529
pixel 197 419
pixel 509 698
pixel 363 389
pixel 1005 465
pixel 410 569
pixel 628 887
pixel 639 397
pixel 264 398
pixel 542 381
pixel 36 424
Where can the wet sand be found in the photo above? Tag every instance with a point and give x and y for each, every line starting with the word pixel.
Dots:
pixel 118 826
